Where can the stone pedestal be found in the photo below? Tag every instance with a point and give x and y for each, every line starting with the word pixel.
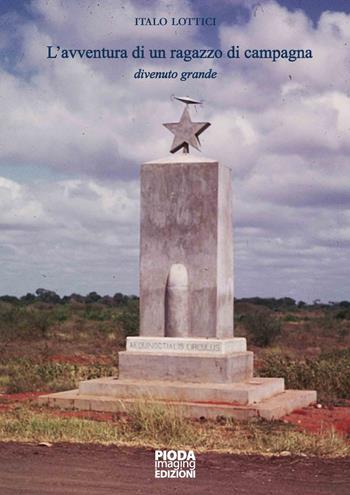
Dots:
pixel 186 367
pixel 193 360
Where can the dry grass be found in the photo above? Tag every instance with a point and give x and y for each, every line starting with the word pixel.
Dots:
pixel 161 427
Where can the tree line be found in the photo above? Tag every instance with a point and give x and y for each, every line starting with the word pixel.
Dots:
pixel 119 299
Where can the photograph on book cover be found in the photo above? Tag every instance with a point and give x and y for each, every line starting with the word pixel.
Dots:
pixel 175 244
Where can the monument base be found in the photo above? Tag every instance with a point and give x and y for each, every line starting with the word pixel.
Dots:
pixel 186 359
pixel 211 383
pixel 272 408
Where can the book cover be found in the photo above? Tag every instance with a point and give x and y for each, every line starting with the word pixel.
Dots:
pixel 124 125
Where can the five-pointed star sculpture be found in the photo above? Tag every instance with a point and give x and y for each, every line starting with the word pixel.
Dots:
pixel 186 132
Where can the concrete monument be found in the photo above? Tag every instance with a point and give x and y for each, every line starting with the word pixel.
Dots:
pixel 186 352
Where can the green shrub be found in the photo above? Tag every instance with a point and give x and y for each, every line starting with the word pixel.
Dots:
pixel 27 376
pixel 129 318
pixel 291 318
pixel 61 313
pixel 97 312
pixel 41 321
pixel 329 374
pixel 15 322
pixel 263 327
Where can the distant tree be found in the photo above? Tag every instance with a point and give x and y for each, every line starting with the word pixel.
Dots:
pixel 9 299
pixel 286 302
pixel 119 298
pixel 92 297
pixel 28 298
pixel 76 297
pixel 48 296
pixel 107 300
pixel 270 302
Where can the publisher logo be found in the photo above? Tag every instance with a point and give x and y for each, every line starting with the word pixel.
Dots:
pixel 174 464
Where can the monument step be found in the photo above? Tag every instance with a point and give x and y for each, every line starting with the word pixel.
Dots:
pixel 248 392
pixel 273 408
pixel 186 367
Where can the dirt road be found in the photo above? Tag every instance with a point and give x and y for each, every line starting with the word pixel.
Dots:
pixel 97 470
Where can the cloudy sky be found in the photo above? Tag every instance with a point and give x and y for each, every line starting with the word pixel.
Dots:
pixel 74 132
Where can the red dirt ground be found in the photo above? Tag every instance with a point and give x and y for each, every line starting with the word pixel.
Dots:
pixel 23 397
pixel 317 420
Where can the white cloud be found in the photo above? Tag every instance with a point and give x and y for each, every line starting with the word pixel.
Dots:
pixel 283 127
pixel 69 235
